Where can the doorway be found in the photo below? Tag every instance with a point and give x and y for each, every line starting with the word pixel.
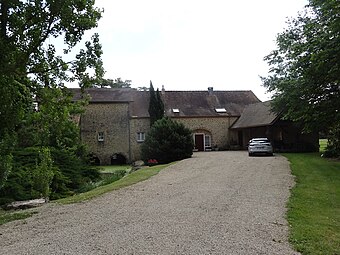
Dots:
pixel 199 142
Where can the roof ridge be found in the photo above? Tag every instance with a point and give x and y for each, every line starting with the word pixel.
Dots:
pixel 208 91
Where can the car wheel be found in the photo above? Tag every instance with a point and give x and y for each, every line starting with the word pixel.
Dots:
pixel 250 154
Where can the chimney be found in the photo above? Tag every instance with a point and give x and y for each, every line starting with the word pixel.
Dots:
pixel 163 90
pixel 210 90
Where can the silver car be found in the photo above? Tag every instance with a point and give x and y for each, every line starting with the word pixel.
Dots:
pixel 260 146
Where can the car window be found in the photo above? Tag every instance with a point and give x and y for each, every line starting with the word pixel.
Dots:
pixel 259 140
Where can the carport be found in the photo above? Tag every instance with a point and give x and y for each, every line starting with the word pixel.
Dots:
pixel 258 120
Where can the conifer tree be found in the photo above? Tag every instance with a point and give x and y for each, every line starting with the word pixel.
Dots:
pixel 167 141
pixel 156 106
pixel 160 107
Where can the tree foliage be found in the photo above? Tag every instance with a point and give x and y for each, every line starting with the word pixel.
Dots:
pixel 167 141
pixel 33 70
pixel 116 83
pixel 156 105
pixel 30 62
pixel 305 67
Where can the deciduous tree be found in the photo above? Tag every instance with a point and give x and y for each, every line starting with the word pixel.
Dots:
pixel 305 67
pixel 32 69
pixel 116 83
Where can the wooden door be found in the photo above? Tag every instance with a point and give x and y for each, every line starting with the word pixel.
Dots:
pixel 199 142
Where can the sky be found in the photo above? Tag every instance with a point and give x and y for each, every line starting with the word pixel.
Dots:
pixel 192 44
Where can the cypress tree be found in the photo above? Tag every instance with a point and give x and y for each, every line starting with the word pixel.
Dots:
pixel 160 105
pixel 156 106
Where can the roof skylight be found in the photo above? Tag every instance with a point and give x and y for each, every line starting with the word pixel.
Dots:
pixel 220 110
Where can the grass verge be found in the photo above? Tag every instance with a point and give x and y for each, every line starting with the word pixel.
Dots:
pixel 113 168
pixel 314 206
pixel 7 216
pixel 138 176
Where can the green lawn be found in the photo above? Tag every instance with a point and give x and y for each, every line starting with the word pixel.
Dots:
pixel 128 180
pixel 314 206
pixel 137 176
pixel 7 216
pixel 113 168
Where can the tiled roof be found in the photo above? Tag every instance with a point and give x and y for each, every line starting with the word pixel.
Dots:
pixel 188 103
pixel 203 103
pixel 104 95
pixel 256 115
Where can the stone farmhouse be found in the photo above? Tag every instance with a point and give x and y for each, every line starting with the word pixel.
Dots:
pixel 116 121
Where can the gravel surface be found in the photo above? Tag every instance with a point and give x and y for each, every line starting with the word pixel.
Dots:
pixel 213 203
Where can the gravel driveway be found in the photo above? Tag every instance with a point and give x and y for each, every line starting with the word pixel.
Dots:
pixel 213 203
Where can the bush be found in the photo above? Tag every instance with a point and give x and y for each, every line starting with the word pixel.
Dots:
pixel 75 172
pixel 42 172
pixel 105 179
pixel 167 141
pixel 6 158
pixel 31 176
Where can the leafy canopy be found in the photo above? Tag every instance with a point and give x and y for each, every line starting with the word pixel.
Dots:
pixel 116 83
pixel 32 69
pixel 305 67
pixel 29 59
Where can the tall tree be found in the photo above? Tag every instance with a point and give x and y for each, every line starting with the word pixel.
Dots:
pixel 116 83
pixel 156 106
pixel 160 108
pixel 305 67
pixel 31 68
pixel 30 62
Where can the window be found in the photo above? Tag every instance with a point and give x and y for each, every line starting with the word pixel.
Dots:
pixel 140 137
pixel 100 136
pixel 175 110
pixel 207 141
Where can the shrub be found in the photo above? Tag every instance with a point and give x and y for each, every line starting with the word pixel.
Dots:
pixel 75 171
pixel 167 141
pixel 42 172
pixel 31 176
pixel 105 179
pixel 6 158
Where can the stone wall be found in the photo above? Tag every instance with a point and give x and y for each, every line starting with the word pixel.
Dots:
pixel 111 119
pixel 217 127
pixel 120 131
pixel 137 125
